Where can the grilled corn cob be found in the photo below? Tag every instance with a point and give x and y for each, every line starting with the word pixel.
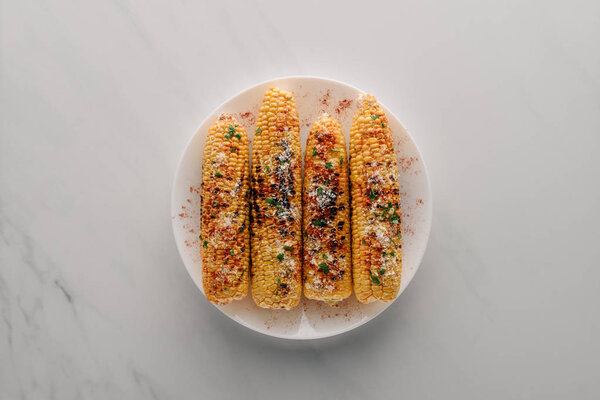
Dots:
pixel 224 234
pixel 376 212
pixel 327 273
pixel 276 203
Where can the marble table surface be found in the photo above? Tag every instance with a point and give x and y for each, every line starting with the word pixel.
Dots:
pixel 99 98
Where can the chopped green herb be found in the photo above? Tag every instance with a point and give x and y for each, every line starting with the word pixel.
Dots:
pixel 337 151
pixel 278 281
pixel 225 261
pixel 267 168
pixel 287 248
pixel 382 125
pixel 231 130
pixel 280 257
pixel 393 254
pixel 374 116
pixel 383 253
pixel 373 195
pixel 205 244
pixel 243 271
pixel 200 236
pixel 306 234
pixel 234 149
pixel 319 222
pixel 382 271
pixel 374 279
pixel 258 130
pixel 341 160
pixel 325 256
pixel 216 204
pixel 292 155
pixel 363 241
pixel 314 153
pixel 319 191
pixel 324 267
pixel 395 219
pixel 231 252
pixel 238 136
pixel 218 175
pixel 271 201
pixel 328 165
pixel 212 215
pixel 326 182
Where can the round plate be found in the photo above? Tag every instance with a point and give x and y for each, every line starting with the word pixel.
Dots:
pixel 311 319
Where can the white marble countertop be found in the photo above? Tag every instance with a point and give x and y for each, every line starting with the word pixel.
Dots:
pixel 98 101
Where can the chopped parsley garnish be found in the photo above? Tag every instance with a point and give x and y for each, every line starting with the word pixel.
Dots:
pixel 306 234
pixel 374 116
pixel 393 254
pixel 258 130
pixel 216 204
pixel 267 168
pixel 392 240
pixel 319 191
pixel 218 175
pixel 395 219
pixel 231 130
pixel 234 149
pixel 324 267
pixel 337 151
pixel 341 161
pixel 363 241
pixel 315 153
pixel 328 165
pixel 382 125
pixel 319 222
pixel 280 257
pixel 292 155
pixel 231 252
pixel 278 281
pixel 287 248
pixel 384 253
pixel 213 215
pixel 225 262
pixel 325 256
pixel 373 195
pixel 382 271
pixel 200 236
pixel 205 244
pixel 271 201
pixel 238 136
pixel 374 279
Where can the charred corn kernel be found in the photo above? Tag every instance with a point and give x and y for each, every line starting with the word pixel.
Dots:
pixel 376 212
pixel 224 233
pixel 277 203
pixel 327 269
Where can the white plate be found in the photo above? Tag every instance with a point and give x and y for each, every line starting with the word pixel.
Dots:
pixel 311 319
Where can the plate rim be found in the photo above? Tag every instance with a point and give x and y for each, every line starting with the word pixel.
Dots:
pixel 427 231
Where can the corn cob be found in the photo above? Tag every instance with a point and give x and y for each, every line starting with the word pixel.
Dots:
pixel 277 203
pixel 376 212
pixel 224 233
pixel 327 273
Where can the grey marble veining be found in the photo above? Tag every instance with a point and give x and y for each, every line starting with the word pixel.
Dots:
pixel 98 100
